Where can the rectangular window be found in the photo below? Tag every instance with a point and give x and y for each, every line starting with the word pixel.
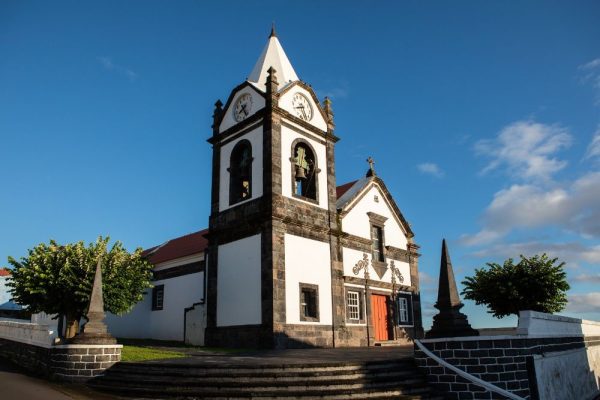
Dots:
pixel 404 307
pixel 355 306
pixel 353 299
pixel 309 302
pixel 158 297
pixel 377 237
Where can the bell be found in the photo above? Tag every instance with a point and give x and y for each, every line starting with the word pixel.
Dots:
pixel 300 173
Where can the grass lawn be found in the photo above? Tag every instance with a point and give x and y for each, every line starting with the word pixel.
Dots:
pixel 137 353
pixel 149 349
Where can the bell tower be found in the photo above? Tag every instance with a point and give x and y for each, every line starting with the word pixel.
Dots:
pixel 272 258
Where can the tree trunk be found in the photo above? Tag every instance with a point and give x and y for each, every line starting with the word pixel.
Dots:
pixel 72 328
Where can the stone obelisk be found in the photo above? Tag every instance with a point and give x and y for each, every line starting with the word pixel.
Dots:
pixel 449 321
pixel 95 331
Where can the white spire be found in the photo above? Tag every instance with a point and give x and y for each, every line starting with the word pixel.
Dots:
pixel 272 56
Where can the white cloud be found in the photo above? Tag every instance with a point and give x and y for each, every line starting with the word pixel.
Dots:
pixel 109 65
pixel 527 149
pixel 591 75
pixel 593 149
pixel 431 169
pixel 587 278
pixel 581 303
pixel 575 208
pixel 572 253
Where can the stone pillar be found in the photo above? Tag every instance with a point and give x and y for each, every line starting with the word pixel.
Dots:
pixel 95 331
pixel 449 322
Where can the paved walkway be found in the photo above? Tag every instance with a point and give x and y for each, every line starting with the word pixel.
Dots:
pixel 291 356
pixel 17 385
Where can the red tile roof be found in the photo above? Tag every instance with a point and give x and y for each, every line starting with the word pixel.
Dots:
pixel 340 190
pixel 187 245
pixel 196 242
pixel 4 272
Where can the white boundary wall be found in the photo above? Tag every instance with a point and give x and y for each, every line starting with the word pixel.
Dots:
pixel 542 324
pixel 26 332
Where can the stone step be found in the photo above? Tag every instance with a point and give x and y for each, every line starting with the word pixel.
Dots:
pixel 390 343
pixel 253 370
pixel 397 380
pixel 249 375
pixel 380 392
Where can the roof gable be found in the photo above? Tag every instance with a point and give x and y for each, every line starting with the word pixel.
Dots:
pixel 354 194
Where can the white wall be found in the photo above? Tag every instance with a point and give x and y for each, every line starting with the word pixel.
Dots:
pixel 27 332
pixel 239 282
pixel 568 375
pixel 357 223
pixel 166 324
pixel 288 136
pixel 195 325
pixel 255 139
pixel 351 257
pixel 258 102
pixel 307 261
pixel 285 102
pixel 538 323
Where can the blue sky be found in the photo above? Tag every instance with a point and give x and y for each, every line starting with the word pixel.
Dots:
pixel 482 117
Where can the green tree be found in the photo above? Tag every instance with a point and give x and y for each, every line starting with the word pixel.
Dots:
pixel 58 279
pixel 536 283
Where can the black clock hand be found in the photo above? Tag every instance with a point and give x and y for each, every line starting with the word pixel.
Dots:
pixel 244 109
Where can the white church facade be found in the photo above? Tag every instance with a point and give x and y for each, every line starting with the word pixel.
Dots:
pixel 289 259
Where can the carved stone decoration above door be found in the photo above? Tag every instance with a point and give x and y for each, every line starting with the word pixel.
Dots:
pixel 379 267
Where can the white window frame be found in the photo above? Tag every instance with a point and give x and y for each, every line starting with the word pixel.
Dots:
pixel 353 309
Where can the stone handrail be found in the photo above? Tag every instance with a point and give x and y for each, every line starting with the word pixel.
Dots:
pixel 488 386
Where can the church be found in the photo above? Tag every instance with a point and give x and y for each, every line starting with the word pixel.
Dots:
pixel 290 259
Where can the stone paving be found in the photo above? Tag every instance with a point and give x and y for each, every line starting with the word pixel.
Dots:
pixel 290 356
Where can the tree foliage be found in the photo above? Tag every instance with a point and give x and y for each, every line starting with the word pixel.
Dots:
pixel 58 279
pixel 534 283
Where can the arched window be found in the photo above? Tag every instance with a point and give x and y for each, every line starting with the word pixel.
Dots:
pixel 304 170
pixel 240 172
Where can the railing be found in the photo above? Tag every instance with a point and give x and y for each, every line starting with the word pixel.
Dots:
pixel 467 376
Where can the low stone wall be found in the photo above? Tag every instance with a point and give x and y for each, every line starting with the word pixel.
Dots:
pixel 71 363
pixel 32 347
pixel 548 358
pixel 504 361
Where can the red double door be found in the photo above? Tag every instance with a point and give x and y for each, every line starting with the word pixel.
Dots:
pixel 380 316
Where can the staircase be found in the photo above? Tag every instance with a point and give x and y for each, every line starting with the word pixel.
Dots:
pixel 397 379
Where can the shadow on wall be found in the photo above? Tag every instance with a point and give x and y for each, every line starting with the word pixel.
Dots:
pixel 569 374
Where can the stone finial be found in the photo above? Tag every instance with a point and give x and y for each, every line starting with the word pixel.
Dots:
pixel 95 331
pixel 271 85
pixel 449 321
pixel 371 171
pixel 447 292
pixel 273 33
pixel 217 114
pixel 328 112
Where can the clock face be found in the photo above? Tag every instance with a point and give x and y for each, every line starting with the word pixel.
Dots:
pixel 302 107
pixel 242 107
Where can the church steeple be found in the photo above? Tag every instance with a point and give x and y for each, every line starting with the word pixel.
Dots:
pixel 274 56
